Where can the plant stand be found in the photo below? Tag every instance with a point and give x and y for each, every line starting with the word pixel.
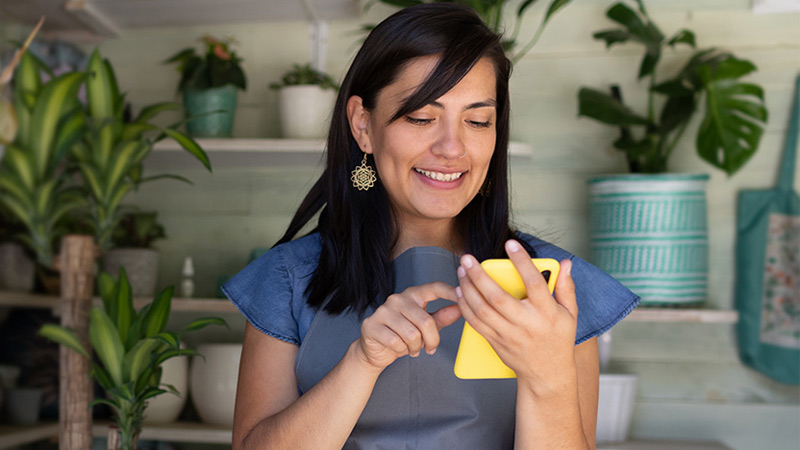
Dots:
pixel 77 260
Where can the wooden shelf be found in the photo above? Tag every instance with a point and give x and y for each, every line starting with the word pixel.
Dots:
pixel 13 435
pixel 246 152
pixel 664 445
pixel 176 432
pixel 218 305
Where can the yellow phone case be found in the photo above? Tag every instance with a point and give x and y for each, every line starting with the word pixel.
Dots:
pixel 476 359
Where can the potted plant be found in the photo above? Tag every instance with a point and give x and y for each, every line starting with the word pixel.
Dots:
pixel 210 84
pixel 131 348
pixel 110 153
pixel 649 228
pixel 306 100
pixel 132 248
pixel 491 11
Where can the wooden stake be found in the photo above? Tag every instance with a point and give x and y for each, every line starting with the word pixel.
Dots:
pixel 78 254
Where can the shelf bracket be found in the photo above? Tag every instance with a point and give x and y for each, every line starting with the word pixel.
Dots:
pixel 318 36
pixel 92 18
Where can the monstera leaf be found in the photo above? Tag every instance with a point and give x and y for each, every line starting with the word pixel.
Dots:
pixel 731 129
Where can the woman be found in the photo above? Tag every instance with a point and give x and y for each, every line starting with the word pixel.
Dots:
pixel 352 329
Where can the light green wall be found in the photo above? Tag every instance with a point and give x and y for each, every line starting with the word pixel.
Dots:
pixel 691 382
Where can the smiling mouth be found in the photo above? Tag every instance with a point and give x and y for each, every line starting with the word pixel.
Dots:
pixel 439 176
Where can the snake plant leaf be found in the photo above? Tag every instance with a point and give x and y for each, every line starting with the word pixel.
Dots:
pixel 124 305
pixel 682 37
pixel 47 113
pixel 139 358
pixel 731 129
pixel 157 316
pixel 189 145
pixel 605 108
pixel 106 343
pixel 102 377
pixel 63 336
pixel 199 324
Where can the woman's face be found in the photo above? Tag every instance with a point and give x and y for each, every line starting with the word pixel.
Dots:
pixel 434 160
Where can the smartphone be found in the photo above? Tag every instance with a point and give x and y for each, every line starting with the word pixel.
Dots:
pixel 476 359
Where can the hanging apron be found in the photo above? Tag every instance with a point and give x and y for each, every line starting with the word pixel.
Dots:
pixel 417 403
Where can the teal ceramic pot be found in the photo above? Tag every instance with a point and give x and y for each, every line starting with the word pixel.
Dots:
pixel 213 109
pixel 651 233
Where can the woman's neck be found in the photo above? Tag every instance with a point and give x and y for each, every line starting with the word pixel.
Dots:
pixel 428 234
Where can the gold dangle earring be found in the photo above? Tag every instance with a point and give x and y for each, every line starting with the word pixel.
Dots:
pixel 363 177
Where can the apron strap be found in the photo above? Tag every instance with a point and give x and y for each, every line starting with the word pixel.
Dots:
pixel 787 167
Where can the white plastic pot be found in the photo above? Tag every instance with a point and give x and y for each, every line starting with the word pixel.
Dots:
pixel 166 408
pixel 306 111
pixel 615 407
pixel 213 382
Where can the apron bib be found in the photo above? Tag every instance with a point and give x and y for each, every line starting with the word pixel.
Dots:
pixel 418 403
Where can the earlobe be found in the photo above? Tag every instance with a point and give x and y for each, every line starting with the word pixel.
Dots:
pixel 358 117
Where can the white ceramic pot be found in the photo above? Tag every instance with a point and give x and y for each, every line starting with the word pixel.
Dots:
pixel 213 382
pixel 306 111
pixel 166 408
pixel 615 406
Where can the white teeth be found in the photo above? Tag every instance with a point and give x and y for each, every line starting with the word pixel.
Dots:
pixel 440 176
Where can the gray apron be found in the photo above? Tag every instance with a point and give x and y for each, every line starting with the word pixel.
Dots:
pixel 417 403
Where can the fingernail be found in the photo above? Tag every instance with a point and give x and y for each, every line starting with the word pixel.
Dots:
pixel 458 292
pixel 513 246
pixel 461 272
pixel 466 260
pixel 568 267
pixel 431 352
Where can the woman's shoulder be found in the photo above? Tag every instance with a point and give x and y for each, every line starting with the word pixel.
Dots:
pixel 602 300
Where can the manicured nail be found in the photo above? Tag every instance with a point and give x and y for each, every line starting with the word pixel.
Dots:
pixel 568 267
pixel 513 246
pixel 431 352
pixel 461 272
pixel 466 260
pixel 458 292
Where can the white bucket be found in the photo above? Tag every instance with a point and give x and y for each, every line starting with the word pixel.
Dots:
pixel 615 407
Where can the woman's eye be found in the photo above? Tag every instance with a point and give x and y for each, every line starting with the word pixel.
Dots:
pixel 417 121
pixel 478 124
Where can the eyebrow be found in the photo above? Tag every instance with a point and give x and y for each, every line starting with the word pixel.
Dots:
pixel 488 103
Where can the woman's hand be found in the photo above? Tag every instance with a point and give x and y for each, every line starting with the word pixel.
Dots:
pixel 402 325
pixel 535 336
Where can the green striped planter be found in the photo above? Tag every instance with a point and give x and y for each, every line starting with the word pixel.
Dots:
pixel 650 232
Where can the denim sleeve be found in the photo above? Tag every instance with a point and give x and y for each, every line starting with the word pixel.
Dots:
pixel 262 292
pixel 602 300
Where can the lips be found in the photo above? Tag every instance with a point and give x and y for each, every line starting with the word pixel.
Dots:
pixel 439 176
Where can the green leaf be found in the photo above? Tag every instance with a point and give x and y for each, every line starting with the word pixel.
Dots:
pixel 612 36
pixel 151 111
pixel 157 316
pixel 102 401
pixel 676 111
pixel 199 324
pixel 100 89
pixel 166 175
pixel 682 37
pixel 106 343
pixel 139 358
pixel 46 115
pixel 674 88
pixel 152 392
pixel 169 354
pixel 190 146
pixel 524 5
pixel 71 129
pixel 124 305
pixel 605 108
pixel 21 163
pixel 169 338
pixel 135 333
pixel 63 336
pixel 124 391
pixel 44 197
pixel 102 377
pixel 122 160
pixel 135 130
pixel 94 179
pixel 180 56
pixel 628 18
pixel 730 131
pixel 106 286
pixel 554 7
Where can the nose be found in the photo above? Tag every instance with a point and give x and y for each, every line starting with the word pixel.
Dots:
pixel 450 143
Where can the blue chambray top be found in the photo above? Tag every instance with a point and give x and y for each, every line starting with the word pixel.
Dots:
pixel 271 291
